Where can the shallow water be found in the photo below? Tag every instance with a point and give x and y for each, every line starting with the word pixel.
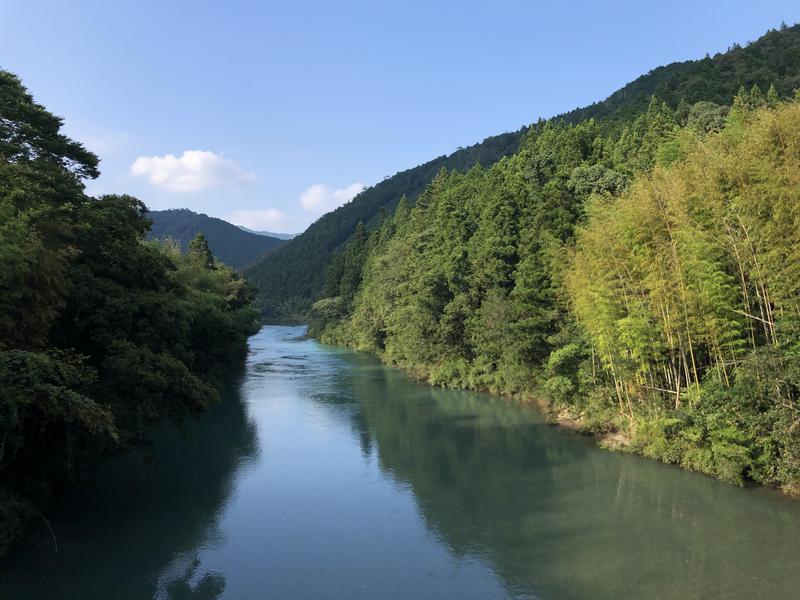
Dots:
pixel 324 474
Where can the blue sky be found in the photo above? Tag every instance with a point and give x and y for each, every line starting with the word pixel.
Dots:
pixel 270 113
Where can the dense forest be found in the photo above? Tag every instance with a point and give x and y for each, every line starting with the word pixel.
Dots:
pixel 289 278
pixel 293 276
pixel 232 245
pixel 642 279
pixel 101 332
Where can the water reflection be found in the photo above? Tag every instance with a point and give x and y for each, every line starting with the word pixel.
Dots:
pixel 561 519
pixel 327 475
pixel 187 585
pixel 138 512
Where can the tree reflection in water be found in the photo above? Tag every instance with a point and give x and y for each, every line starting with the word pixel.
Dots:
pixel 138 512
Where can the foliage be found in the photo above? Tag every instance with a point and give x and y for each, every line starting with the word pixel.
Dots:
pixel 290 278
pixel 230 244
pixel 293 276
pixel 645 278
pixel 688 287
pixel 769 61
pixel 101 332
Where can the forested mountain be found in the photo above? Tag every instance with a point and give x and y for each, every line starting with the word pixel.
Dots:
pixel 229 243
pixel 101 332
pixel 643 281
pixel 772 59
pixel 290 278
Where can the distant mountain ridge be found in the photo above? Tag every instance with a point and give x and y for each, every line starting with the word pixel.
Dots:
pixel 293 276
pixel 280 236
pixel 287 284
pixel 229 243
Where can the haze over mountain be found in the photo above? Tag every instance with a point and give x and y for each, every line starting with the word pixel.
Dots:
pixel 290 278
pixel 280 236
pixel 230 244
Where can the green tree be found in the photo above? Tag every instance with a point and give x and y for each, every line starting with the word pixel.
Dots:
pixel 101 333
pixel 200 252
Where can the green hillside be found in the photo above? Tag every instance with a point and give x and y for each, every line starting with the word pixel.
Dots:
pixel 290 278
pixel 644 284
pixel 229 243
pixel 772 59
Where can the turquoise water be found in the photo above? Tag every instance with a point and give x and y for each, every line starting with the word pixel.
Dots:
pixel 324 474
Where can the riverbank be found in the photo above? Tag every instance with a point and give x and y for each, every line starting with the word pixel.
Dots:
pixel 324 473
pixel 613 431
pixel 607 435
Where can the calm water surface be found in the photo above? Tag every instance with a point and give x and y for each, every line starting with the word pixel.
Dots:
pixel 326 475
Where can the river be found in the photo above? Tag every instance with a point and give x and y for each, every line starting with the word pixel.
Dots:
pixel 324 475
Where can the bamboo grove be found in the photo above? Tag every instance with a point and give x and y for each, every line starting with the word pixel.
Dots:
pixel 643 278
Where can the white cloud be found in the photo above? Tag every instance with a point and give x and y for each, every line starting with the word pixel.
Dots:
pixel 194 171
pixel 270 219
pixel 316 200
pixel 320 198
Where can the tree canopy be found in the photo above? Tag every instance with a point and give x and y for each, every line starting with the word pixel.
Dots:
pixel 293 276
pixel 230 244
pixel 101 332
pixel 644 280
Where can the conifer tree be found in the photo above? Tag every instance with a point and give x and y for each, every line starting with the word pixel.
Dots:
pixel 200 252
pixel 773 99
